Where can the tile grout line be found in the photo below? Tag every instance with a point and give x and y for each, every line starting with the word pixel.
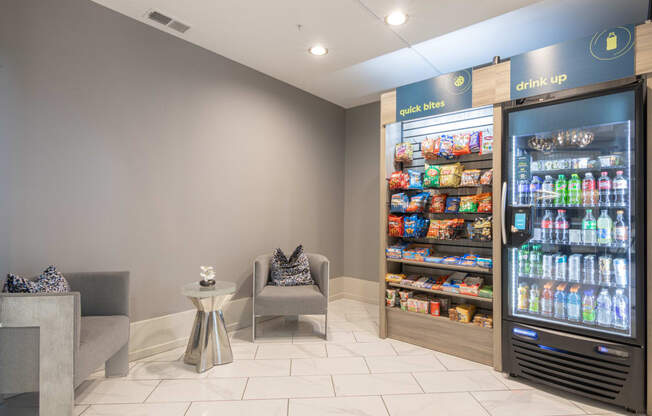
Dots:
pixel 333 386
pixel 153 390
pixel 382 398
pixel 187 409
pixel 418 384
pixel 287 407
pixel 479 402
pixel 245 389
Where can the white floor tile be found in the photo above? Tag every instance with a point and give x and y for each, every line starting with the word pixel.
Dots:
pixel 403 348
pixel 525 402
pixel 198 390
pixel 155 370
pixel 171 355
pixel 337 406
pixel 154 409
pixel 288 387
pixel 78 410
pixel 327 366
pixel 434 404
pixel 596 408
pixel 251 368
pixel 375 384
pixel 111 391
pixel 239 408
pixel 281 351
pixel 513 383
pixel 453 363
pixel 458 381
pixel 362 349
pixel 244 351
pixel 333 337
pixel 361 325
pixel 364 336
pixel 404 364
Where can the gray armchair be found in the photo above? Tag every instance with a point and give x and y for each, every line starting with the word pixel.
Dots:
pixel 59 339
pixel 291 300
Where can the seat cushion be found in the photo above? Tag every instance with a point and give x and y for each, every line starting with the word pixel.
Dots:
pixel 100 338
pixel 290 300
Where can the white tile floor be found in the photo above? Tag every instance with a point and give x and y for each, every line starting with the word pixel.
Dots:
pixel 292 371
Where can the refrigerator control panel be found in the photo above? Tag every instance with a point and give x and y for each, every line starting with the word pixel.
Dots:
pixel 521 226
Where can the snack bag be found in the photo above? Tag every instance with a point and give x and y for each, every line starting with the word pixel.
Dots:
pixel 438 204
pixel 412 226
pixel 468 203
pixel 480 229
pixel 474 141
pixel 399 203
pixel 486 145
pixel 450 175
pixel 484 202
pixel 430 147
pixel 415 179
pixel 433 230
pixel 418 202
pixel 452 204
pixel 487 177
pixel 395 225
pixel 461 144
pixel 431 176
pixel 470 177
pixel 403 152
pixel 468 260
pixel 397 180
pixel 446 146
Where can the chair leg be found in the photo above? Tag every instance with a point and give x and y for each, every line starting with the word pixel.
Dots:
pixel 118 365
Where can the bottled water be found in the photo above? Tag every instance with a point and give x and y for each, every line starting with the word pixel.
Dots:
pixel 605 224
pixel 604 309
pixel 589 228
pixel 535 190
pixel 547 191
pixel 561 227
pixel 523 191
pixel 604 188
pixel 621 310
pixel 620 189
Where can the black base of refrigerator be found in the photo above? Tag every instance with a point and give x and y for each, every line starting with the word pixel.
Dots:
pixel 601 370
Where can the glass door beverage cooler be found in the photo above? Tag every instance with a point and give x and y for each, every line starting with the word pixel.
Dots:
pixel 573 259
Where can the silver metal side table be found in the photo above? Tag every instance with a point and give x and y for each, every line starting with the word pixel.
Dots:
pixel 209 343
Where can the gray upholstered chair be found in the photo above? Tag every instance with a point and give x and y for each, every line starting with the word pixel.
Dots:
pixel 36 332
pixel 291 300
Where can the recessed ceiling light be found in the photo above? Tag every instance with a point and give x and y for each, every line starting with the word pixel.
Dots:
pixel 396 18
pixel 318 50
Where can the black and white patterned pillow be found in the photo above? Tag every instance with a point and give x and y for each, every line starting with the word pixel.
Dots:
pixel 49 281
pixel 294 271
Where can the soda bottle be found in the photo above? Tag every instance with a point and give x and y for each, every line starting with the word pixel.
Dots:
pixel 524 261
pixel 621 310
pixel 573 304
pixel 604 308
pixel 560 301
pixel 588 190
pixel 574 190
pixel 561 227
pixel 604 188
pixel 535 261
pixel 620 189
pixel 547 191
pixel 533 306
pixel 604 228
pixel 523 191
pixel 561 191
pixel 547 300
pixel 589 228
pixel 588 308
pixel 547 225
pixel 621 231
pixel 535 190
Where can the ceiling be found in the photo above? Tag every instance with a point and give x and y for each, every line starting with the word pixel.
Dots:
pixel 366 56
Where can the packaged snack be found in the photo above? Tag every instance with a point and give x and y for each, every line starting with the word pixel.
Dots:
pixel 470 177
pixel 412 305
pixel 430 147
pixel 399 202
pixel 391 297
pixel 487 177
pixel 469 203
pixel 449 175
pixel 418 202
pixel 444 305
pixel 446 144
pixel 438 204
pixel 452 284
pixel 417 253
pixel 403 152
pixel 451 260
pixel 415 179
pixel 485 262
pixel 461 144
pixel 431 176
pixel 398 180
pixel 452 314
pixel 486 145
pixel 480 229
pixel 435 307
pixel 445 229
pixel 422 304
pixel 484 202
pixel 452 204
pixel 486 292
pixel 405 294
pixel 471 285
pixel 465 313
pixel 433 259
pixel 395 251
pixel 403 305
pixel 474 142
pixel 440 281
pixel 394 277
pixel 468 260
pixel 415 226
pixel 395 225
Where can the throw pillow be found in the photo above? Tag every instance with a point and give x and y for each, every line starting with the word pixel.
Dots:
pixel 49 281
pixel 294 271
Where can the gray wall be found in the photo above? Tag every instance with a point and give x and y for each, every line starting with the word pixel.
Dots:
pixel 361 192
pixel 132 149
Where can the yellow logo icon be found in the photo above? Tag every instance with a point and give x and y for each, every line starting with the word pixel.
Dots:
pixel 459 81
pixel 612 41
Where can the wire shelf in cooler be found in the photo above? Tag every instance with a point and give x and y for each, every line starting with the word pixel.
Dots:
pixel 578 170
pixel 581 283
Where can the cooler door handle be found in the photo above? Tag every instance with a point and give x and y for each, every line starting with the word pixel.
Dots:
pixel 503 201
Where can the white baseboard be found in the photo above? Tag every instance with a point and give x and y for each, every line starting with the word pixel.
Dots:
pixel 362 290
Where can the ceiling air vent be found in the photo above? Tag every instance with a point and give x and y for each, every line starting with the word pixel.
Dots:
pixel 159 17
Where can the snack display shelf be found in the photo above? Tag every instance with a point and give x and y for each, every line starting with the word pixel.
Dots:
pixel 464 215
pixel 440 319
pixel 578 170
pixel 456 267
pixel 473 157
pixel 443 188
pixel 441 292
pixel 456 242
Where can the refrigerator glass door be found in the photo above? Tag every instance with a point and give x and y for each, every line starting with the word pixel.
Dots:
pixel 571 211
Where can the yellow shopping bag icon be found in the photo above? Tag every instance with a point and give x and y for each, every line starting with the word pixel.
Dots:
pixel 612 41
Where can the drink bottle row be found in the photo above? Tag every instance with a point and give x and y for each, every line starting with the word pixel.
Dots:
pixel 607 310
pixel 603 232
pixel 588 269
pixel 575 191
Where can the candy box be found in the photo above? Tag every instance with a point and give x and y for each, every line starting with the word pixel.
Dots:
pixel 394 252
pixel 452 284
pixel 423 305
pixel 394 277
pixel 471 285
pixel 412 305
pixel 433 259
pixel 405 294
pixel 465 313
pixel 391 298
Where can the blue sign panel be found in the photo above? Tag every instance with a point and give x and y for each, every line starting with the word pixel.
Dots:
pixel 605 56
pixel 442 94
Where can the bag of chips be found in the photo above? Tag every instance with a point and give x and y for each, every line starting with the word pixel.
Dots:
pixel 474 141
pixel 415 179
pixel 414 226
pixel 446 146
pixel 480 229
pixel 470 177
pixel 403 152
pixel 398 180
pixel 395 225
pixel 468 203
pixel 452 204
pixel 438 204
pixel 431 176
pixel 399 203
pixel 486 145
pixel 449 175
pixel 484 202
pixel 418 202
pixel 430 147
pixel 487 177
pixel 461 144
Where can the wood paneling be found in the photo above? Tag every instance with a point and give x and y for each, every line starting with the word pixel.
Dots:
pixel 497 235
pixel 387 108
pixel 643 49
pixel 491 84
